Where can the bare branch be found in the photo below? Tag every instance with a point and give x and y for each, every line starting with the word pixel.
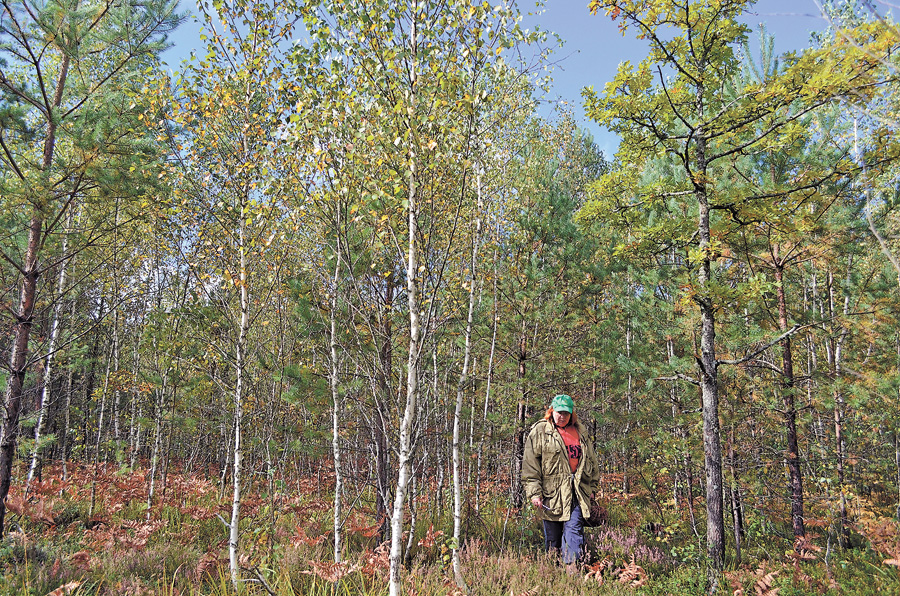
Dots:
pixel 762 349
pixel 679 377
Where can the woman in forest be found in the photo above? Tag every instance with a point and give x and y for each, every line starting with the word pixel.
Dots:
pixel 560 475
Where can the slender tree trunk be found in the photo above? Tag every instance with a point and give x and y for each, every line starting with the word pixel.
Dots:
pixel 21 331
pixel 790 410
pixel 115 368
pixel 736 514
pixel 521 417
pixel 712 444
pixel 626 479
pixel 115 330
pixel 43 400
pixel 336 404
pixel 64 441
pixel 487 396
pixel 460 391
pixel 227 437
pixel 838 395
pixel 136 412
pixel 157 441
pixel 382 397
pixel 134 427
pixel 415 332
pixel 413 516
pixel 240 372
pixel 99 440
pixel 167 452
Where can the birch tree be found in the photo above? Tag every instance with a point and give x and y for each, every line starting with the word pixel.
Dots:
pixel 224 128
pixel 404 94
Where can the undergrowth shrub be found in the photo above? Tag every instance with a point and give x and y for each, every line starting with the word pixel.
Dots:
pixel 17 549
pixel 621 544
pixel 860 572
pixel 287 541
pixel 134 510
pixel 30 568
pixel 488 573
pixel 153 563
pixel 678 580
pixel 617 513
pixel 205 534
pixel 70 512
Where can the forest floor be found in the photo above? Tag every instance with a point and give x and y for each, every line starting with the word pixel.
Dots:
pixel 59 544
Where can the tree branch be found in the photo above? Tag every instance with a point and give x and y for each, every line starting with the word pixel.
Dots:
pixel 679 377
pixel 759 351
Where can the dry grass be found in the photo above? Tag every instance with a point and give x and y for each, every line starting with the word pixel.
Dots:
pixel 181 549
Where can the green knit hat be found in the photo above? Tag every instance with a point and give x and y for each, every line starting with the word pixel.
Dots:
pixel 563 403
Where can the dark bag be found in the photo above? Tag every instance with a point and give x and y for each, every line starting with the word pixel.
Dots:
pixel 598 515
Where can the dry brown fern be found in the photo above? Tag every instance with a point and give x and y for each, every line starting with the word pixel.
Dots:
pixel 762 581
pixel 453 589
pixel 532 592
pixel 804 550
pixel 210 563
pixel 883 534
pixel 632 574
pixel 763 585
pixel 300 537
pixel 595 571
pixel 81 560
pixel 331 572
pixel 378 560
pixel 430 537
pixel 66 589
pixel 736 580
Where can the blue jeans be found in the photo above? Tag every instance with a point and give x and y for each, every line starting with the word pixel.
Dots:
pixel 566 537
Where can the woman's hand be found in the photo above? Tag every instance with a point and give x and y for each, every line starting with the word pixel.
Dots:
pixel 537 502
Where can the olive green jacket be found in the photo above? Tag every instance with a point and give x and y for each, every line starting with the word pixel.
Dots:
pixel 546 472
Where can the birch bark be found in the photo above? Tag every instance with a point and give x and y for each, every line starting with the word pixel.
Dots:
pixel 415 339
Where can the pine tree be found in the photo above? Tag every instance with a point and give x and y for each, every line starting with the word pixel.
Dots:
pixel 69 76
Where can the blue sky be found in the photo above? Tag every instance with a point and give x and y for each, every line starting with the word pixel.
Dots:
pixel 594 47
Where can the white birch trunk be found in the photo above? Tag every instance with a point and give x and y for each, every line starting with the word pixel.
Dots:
pixel 134 428
pixel 415 341
pixel 66 425
pixel 116 339
pixel 487 390
pixel 234 529
pixel 336 411
pixel 99 438
pixel 157 441
pixel 135 432
pixel 48 360
pixel 116 364
pixel 838 396
pixel 460 390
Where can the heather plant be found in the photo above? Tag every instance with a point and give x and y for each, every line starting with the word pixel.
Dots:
pixel 622 543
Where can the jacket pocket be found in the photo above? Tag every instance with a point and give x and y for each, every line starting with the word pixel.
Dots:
pixel 553 494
